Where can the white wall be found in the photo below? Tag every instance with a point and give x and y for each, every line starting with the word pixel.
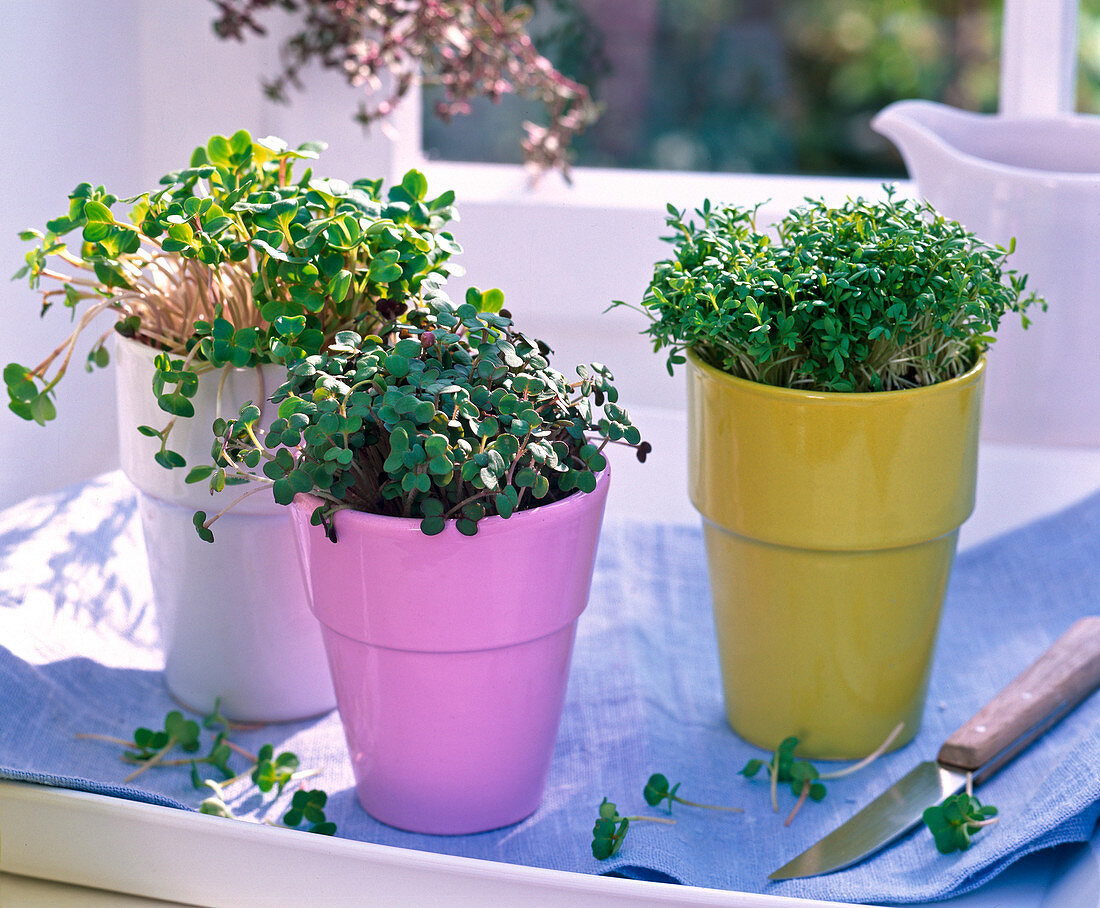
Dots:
pixel 118 92
pixel 65 118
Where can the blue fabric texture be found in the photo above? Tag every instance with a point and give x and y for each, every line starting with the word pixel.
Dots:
pixel 78 655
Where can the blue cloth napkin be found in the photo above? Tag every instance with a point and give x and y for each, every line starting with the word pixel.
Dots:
pixel 78 655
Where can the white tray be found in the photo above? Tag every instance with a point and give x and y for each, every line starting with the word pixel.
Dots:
pixel 141 849
pixel 161 853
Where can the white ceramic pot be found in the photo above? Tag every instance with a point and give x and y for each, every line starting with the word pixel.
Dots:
pixel 233 615
pixel 192 437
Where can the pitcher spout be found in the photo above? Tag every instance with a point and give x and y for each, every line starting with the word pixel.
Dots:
pixel 1029 150
pixel 923 132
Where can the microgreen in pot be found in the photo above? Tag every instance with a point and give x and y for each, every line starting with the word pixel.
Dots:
pixel 233 262
pixel 449 414
pixel 871 296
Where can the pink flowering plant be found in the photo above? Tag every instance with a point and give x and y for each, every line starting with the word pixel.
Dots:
pixel 478 49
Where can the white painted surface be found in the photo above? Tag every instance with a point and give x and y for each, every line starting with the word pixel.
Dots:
pixel 1038 57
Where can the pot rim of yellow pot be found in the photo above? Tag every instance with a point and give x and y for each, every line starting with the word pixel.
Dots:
pixel 746 385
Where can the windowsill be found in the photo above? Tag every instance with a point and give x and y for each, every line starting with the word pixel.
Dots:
pixel 562 253
pixel 641 190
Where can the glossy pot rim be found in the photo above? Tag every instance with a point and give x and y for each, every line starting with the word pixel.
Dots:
pixel 856 398
pixel 364 521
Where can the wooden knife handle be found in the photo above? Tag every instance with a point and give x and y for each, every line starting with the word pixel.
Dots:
pixel 1060 679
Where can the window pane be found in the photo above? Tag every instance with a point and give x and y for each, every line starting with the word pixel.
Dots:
pixel 768 86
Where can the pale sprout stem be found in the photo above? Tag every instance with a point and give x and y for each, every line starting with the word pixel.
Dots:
pixel 150 763
pixel 218 786
pixel 246 313
pixel 71 259
pixel 251 757
pixel 60 291
pixel 68 279
pixel 708 806
pixel 134 267
pixel 466 500
pixel 125 758
pixel 163 300
pixel 252 436
pixel 870 758
pixel 775 783
pixel 164 341
pixel 183 761
pixel 236 501
pixel 240 471
pixel 102 339
pixel 194 295
pixel 69 344
pixel 171 273
pixel 801 800
pixel 86 736
pixel 191 354
pixel 211 287
pixel 159 319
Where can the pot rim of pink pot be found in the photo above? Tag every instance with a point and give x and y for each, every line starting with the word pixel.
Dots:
pixel 490 526
pixel 515 581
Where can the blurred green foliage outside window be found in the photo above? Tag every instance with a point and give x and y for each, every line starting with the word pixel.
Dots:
pixel 764 86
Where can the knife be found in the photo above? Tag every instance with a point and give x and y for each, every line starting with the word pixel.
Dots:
pixel 1042 695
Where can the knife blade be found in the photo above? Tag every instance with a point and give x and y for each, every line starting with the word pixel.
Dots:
pixel 1044 693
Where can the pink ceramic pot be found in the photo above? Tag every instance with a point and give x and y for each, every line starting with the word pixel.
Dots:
pixel 450 654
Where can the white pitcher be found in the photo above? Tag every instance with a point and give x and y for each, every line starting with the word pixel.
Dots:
pixel 1035 179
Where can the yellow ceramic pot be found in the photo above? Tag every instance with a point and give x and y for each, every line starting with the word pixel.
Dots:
pixel 830 523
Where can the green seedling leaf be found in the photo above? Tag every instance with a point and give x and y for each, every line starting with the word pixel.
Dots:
pixel 274 772
pixel 954 822
pixel 610 830
pixel 308 807
pixel 657 790
pixel 204 532
pixel 198 474
pixel 804 779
